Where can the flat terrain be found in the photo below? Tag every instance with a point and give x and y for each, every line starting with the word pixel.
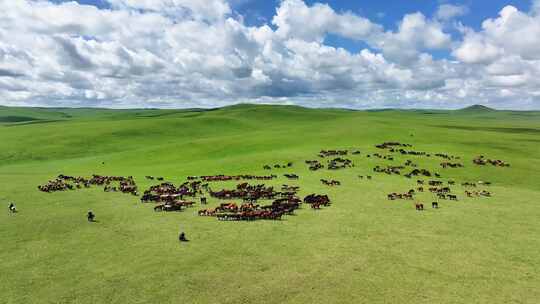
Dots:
pixel 362 249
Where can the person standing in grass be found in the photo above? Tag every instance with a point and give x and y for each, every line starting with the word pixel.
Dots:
pixel 12 208
pixel 90 216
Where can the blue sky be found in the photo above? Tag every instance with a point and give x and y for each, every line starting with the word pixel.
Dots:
pixel 387 12
pixel 328 53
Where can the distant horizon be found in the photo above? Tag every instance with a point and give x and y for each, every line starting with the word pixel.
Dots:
pixel 183 54
pixel 277 105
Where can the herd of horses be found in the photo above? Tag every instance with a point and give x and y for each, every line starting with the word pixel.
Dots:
pixel 284 202
pixel 442 192
pixel 110 183
pixel 481 161
pixel 437 187
pixel 263 202
pixel 314 165
pixel 391 169
pixel 278 166
pixel 223 178
pixel 167 197
pixel 451 165
pixel 330 183
pixel 331 153
pixel 340 163
pixel 336 163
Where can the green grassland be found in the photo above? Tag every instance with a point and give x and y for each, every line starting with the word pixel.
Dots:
pixel 362 249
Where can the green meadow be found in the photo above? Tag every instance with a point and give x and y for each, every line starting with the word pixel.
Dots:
pixel 364 248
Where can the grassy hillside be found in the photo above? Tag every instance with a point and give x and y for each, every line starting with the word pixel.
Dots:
pixel 362 249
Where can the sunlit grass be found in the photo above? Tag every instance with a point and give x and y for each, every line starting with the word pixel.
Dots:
pixel 362 249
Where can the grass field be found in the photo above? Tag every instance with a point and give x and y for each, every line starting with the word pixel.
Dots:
pixel 362 249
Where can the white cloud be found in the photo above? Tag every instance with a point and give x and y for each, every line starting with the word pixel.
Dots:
pixel 449 11
pixel 207 9
pixel 475 48
pixel 516 32
pixel 295 19
pixel 506 55
pixel 188 53
pixel 511 33
pixel 415 34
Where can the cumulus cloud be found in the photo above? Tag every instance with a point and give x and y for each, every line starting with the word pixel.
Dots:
pixel 511 33
pixel 295 19
pixel 206 10
pixel 415 34
pixel 475 48
pixel 450 11
pixel 190 53
pixel 505 54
